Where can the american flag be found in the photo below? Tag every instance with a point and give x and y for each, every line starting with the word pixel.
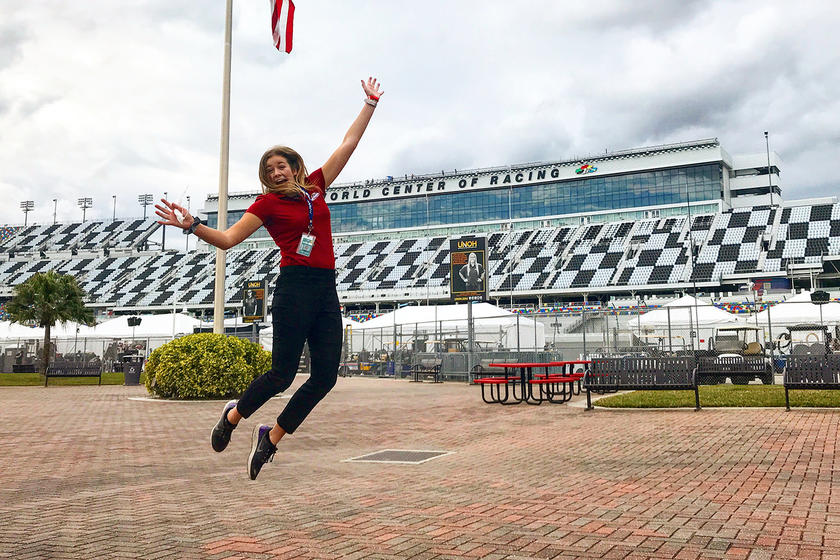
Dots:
pixel 282 18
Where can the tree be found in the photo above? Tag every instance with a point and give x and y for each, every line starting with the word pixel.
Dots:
pixel 45 299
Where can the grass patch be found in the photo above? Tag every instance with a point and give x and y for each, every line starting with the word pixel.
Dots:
pixel 34 379
pixel 723 395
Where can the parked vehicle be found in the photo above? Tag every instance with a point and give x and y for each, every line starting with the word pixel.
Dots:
pixel 805 339
pixel 736 353
pixel 741 341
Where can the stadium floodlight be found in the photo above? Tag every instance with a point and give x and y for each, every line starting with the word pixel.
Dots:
pixel 84 204
pixel 27 206
pixel 145 200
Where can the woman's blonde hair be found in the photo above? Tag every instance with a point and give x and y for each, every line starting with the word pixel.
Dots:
pixel 298 172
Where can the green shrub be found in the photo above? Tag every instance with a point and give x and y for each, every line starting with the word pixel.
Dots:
pixel 204 366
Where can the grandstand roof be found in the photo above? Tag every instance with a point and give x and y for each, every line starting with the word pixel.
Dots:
pixel 594 157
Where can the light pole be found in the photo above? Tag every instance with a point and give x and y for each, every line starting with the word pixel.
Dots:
pixel 27 206
pixel 163 228
pixel 114 217
pixel 421 272
pixel 187 236
pixel 769 175
pixel 145 200
pixel 428 280
pixel 84 204
pixel 512 263
pixel 693 269
pixel 55 209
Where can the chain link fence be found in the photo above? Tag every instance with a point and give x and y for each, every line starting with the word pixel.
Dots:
pixel 733 342
pixel 753 336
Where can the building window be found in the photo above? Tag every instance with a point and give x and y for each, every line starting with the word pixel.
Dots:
pixel 596 194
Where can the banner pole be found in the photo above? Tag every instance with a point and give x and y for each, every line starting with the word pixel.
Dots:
pixel 219 286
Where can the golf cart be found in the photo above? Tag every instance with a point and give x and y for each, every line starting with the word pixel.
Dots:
pixel 804 340
pixel 740 340
pixel 737 353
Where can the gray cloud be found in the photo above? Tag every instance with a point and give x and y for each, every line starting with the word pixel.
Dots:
pixel 27 107
pixel 134 105
pixel 14 35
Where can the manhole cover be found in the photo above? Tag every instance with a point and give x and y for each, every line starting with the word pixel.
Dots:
pixel 410 456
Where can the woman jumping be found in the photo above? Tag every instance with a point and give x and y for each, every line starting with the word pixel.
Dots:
pixel 305 309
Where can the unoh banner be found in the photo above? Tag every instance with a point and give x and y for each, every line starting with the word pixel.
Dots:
pixel 468 269
pixel 253 301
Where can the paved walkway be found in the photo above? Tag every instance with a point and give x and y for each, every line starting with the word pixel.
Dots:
pixel 87 473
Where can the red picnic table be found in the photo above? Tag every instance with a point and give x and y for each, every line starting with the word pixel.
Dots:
pixel 555 387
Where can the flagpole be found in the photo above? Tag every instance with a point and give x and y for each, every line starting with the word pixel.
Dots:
pixel 219 286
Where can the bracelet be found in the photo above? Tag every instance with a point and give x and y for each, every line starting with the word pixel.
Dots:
pixel 371 102
pixel 371 96
pixel 196 222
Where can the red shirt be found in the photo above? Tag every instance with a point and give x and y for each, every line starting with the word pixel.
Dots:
pixel 286 219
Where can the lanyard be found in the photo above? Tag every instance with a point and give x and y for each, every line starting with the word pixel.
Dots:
pixel 308 198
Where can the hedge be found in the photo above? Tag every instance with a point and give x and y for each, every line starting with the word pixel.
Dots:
pixel 205 366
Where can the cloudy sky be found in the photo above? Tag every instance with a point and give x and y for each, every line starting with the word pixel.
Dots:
pixel 101 98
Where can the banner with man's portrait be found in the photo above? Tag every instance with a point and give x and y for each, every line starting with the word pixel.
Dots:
pixel 253 301
pixel 468 269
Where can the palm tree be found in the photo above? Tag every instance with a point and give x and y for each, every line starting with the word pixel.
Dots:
pixel 45 299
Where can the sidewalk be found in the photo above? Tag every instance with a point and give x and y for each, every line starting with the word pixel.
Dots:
pixel 88 473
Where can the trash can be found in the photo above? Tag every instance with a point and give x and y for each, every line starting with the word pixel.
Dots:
pixel 132 366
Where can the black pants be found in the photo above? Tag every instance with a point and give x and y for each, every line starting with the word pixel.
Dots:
pixel 305 308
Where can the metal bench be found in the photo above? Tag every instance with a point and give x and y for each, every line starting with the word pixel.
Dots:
pixel 640 374
pixel 73 370
pixel 425 369
pixel 811 372
pixel 740 369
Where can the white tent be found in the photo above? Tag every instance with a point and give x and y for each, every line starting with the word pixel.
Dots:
pixel 687 315
pixel 16 331
pixel 799 309
pixel 153 331
pixel 684 312
pixel 164 325
pixel 13 331
pixel 492 325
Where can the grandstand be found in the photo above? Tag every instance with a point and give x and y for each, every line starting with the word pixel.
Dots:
pixel 81 236
pixel 669 218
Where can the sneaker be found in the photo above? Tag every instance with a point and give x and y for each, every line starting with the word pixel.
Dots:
pixel 220 436
pixel 262 450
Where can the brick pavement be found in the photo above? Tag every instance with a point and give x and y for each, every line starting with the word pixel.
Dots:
pixel 88 473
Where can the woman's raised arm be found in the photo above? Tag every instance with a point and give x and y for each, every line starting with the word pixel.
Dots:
pixel 234 235
pixel 339 158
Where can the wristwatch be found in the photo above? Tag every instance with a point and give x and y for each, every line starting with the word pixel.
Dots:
pixel 196 222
